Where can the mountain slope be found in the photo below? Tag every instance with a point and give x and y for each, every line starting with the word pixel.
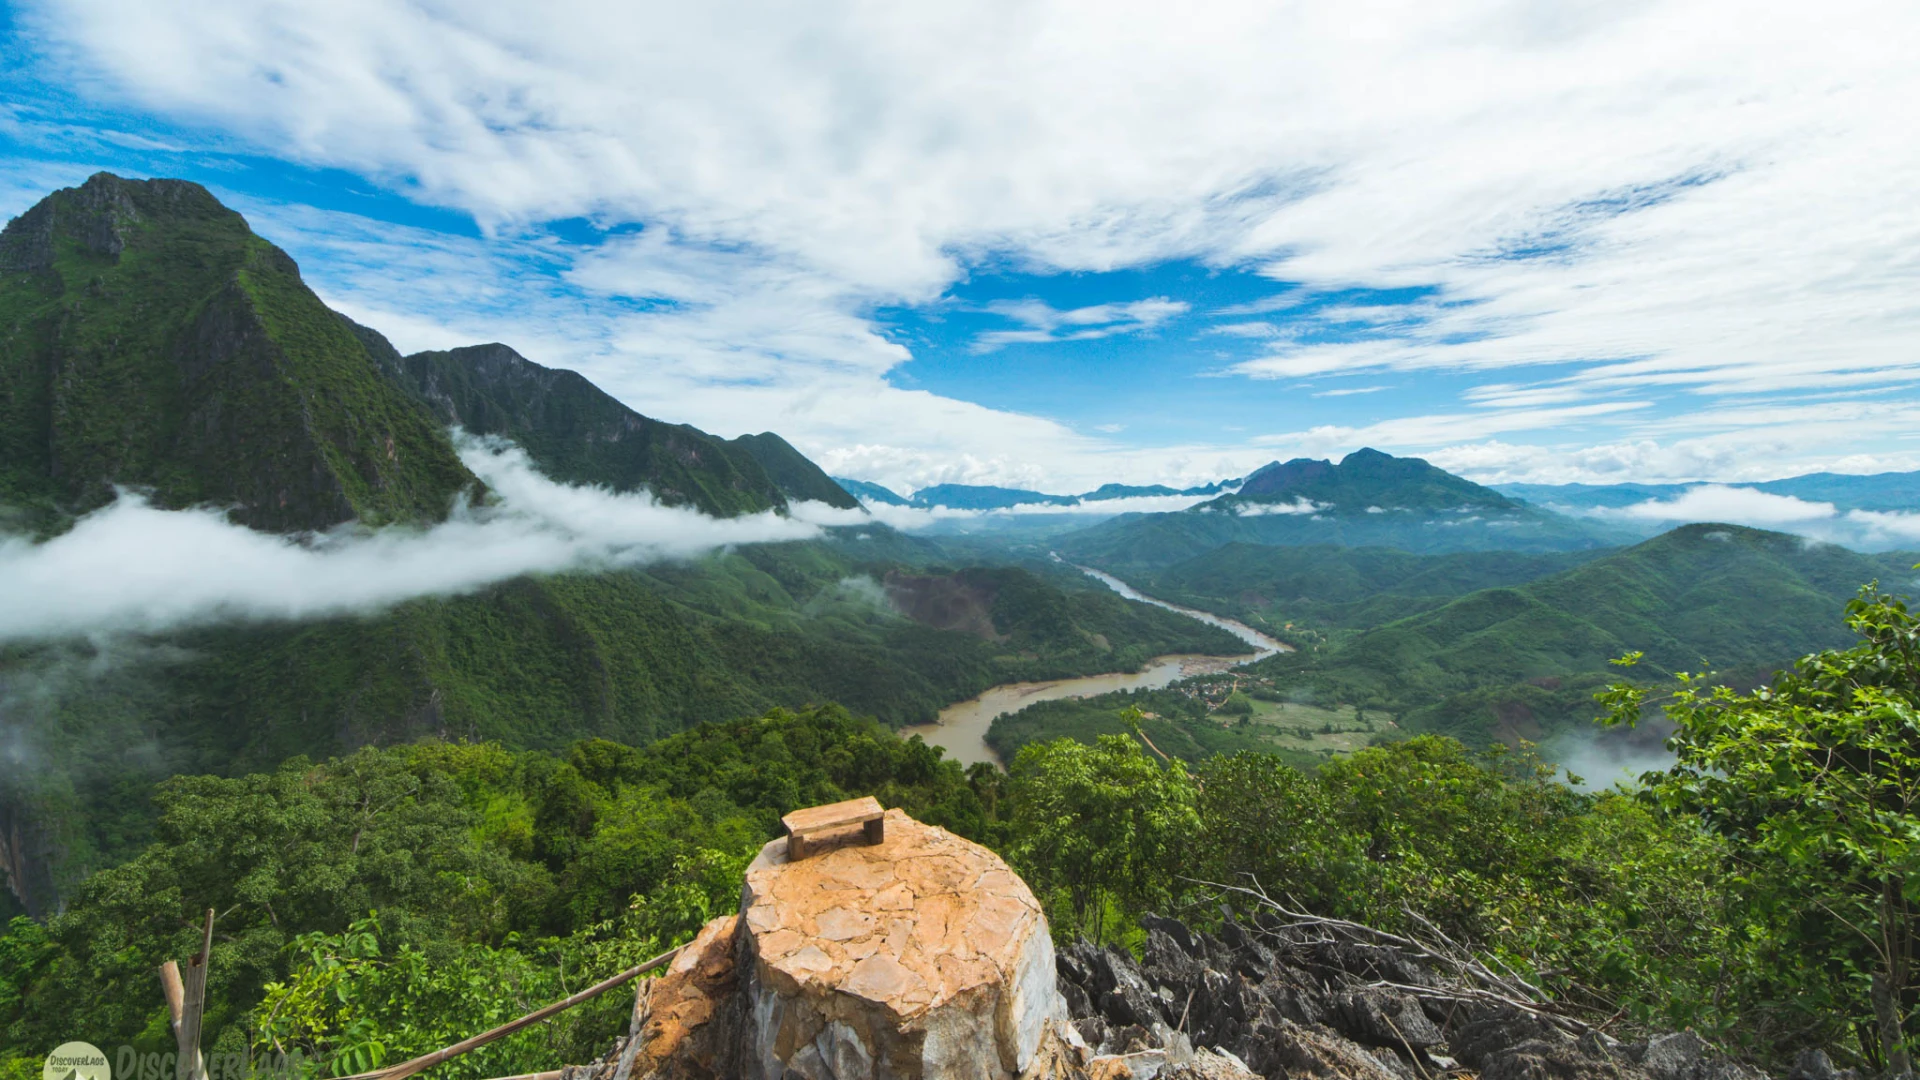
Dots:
pixel 1740 600
pixel 1335 588
pixel 148 338
pixel 576 432
pixel 796 475
pixel 1878 491
pixel 631 655
pixel 871 492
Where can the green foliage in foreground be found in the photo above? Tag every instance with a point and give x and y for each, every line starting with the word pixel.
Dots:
pixel 377 905
pixel 502 876
pixel 1593 896
pixel 1814 782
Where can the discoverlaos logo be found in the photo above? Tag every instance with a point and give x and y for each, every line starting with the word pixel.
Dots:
pixel 84 1061
pixel 75 1061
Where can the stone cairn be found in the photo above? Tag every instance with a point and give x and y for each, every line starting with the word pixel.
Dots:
pixel 919 956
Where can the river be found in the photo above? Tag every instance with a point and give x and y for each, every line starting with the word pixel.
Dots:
pixel 962 726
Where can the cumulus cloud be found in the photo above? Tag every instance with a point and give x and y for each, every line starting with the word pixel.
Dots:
pixel 133 567
pixel 1570 185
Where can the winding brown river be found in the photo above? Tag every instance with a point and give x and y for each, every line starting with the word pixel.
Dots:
pixel 962 727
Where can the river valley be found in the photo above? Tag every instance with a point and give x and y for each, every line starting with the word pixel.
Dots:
pixel 962 726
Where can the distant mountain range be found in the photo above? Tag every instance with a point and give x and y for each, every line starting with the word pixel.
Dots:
pixel 1892 491
pixel 986 497
pixel 1521 658
pixel 1364 482
pixel 1367 499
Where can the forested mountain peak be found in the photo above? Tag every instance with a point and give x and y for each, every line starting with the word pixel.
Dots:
pixel 149 338
pixel 1367 480
pixel 797 476
pixel 578 433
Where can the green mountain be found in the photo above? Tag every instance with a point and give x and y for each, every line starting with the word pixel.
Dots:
pixel 1369 499
pixel 985 497
pixel 1877 491
pixel 1591 496
pixel 148 338
pixel 796 475
pixel 1524 659
pixel 1128 491
pixel 1365 481
pixel 871 492
pixel 576 432
pixel 988 497
pixel 1324 588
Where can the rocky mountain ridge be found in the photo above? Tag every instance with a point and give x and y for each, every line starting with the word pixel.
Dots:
pixel 149 339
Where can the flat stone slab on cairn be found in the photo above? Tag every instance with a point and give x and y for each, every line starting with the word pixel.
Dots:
pixel 923 957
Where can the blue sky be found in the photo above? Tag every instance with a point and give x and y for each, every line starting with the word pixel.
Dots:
pixel 1036 245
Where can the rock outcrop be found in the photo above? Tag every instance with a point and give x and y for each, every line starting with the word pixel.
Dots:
pixel 1298 1004
pixel 920 958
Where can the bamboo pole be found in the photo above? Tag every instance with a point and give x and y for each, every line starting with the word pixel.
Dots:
pixel 428 1061
pixel 186 999
pixel 194 1006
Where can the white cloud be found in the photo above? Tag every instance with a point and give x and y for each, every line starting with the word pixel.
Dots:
pixel 132 567
pixel 1441 428
pixel 916 518
pixel 1044 323
pixel 1902 527
pixel 1738 506
pixel 1263 509
pixel 1579 185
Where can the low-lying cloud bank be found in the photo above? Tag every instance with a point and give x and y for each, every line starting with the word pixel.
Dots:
pixel 1871 529
pixel 913 518
pixel 133 567
pixel 1263 509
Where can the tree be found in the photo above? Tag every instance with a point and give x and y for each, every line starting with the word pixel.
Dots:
pixel 1816 781
pixel 1100 826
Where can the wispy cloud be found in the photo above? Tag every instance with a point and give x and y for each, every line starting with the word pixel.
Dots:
pixel 1349 391
pixel 1442 428
pixel 1043 323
